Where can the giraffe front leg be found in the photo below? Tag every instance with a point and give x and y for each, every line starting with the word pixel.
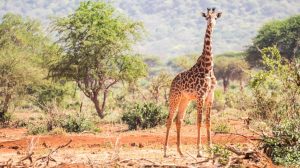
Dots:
pixel 199 122
pixel 180 115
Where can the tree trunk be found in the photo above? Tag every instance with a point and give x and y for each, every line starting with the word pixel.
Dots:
pixel 225 84
pixel 241 85
pixel 99 110
pixel 5 106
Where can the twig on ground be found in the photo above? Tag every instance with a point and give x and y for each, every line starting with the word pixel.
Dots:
pixel 192 156
pixel 49 158
pixel 234 150
pixel 30 146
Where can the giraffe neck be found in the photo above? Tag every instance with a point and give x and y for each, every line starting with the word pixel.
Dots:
pixel 207 46
pixel 205 60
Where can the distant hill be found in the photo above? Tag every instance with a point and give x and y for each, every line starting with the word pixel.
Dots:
pixel 175 27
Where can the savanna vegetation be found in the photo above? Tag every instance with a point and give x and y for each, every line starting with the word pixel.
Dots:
pixel 89 74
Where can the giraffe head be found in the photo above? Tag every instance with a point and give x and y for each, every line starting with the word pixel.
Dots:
pixel 211 16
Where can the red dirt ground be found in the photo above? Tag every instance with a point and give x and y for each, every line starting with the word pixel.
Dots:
pixel 12 139
pixel 16 140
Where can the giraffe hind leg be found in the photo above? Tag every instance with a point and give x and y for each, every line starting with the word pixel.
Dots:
pixel 174 100
pixel 200 102
pixel 208 105
pixel 179 119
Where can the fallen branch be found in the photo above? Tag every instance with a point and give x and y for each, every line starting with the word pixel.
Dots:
pixel 49 158
pixel 234 150
pixel 30 147
pixel 192 156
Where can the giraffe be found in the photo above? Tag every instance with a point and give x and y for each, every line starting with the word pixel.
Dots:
pixel 197 83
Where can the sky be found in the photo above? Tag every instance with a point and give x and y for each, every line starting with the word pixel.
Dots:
pixel 175 27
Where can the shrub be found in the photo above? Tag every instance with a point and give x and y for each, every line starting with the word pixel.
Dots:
pixel 190 114
pixel 276 89
pixel 222 128
pixel 5 119
pixel 38 127
pixel 237 99
pixel 276 94
pixel 219 100
pixel 284 146
pixel 146 115
pixel 78 123
pixel 221 152
pixel 58 131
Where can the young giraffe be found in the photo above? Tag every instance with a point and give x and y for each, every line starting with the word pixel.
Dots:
pixel 198 84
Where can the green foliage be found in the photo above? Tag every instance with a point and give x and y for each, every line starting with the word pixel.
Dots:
pixel 219 100
pixel 96 41
pixel 160 84
pixel 284 146
pixel 276 89
pixel 183 62
pixel 5 119
pixel 22 51
pixel 276 94
pixel 145 116
pixel 283 33
pixel 231 68
pixel 190 114
pixel 221 152
pixel 57 121
pixel 222 127
pixel 58 131
pixel 37 127
pixel 78 123
pixel 46 93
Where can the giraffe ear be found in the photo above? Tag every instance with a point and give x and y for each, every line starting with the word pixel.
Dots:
pixel 219 14
pixel 204 14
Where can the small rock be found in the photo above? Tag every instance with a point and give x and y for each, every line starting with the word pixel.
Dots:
pixel 14 147
pixel 45 145
pixel 141 145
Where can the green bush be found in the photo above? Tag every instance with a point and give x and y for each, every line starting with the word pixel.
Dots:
pixel 219 100
pixel 276 90
pixel 284 146
pixel 276 94
pixel 5 119
pixel 222 128
pixel 190 114
pixel 237 99
pixel 146 115
pixel 37 127
pixel 78 123
pixel 222 153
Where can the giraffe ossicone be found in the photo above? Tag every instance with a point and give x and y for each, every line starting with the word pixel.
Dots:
pixel 197 83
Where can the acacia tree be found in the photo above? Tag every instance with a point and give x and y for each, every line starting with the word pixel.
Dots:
pixel 160 83
pixel 96 42
pixel 23 48
pixel 285 34
pixel 230 68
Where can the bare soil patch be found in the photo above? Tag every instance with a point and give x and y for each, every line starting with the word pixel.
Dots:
pixel 115 146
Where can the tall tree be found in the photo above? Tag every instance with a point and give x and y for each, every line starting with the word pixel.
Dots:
pixel 23 50
pixel 231 68
pixel 285 34
pixel 96 42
